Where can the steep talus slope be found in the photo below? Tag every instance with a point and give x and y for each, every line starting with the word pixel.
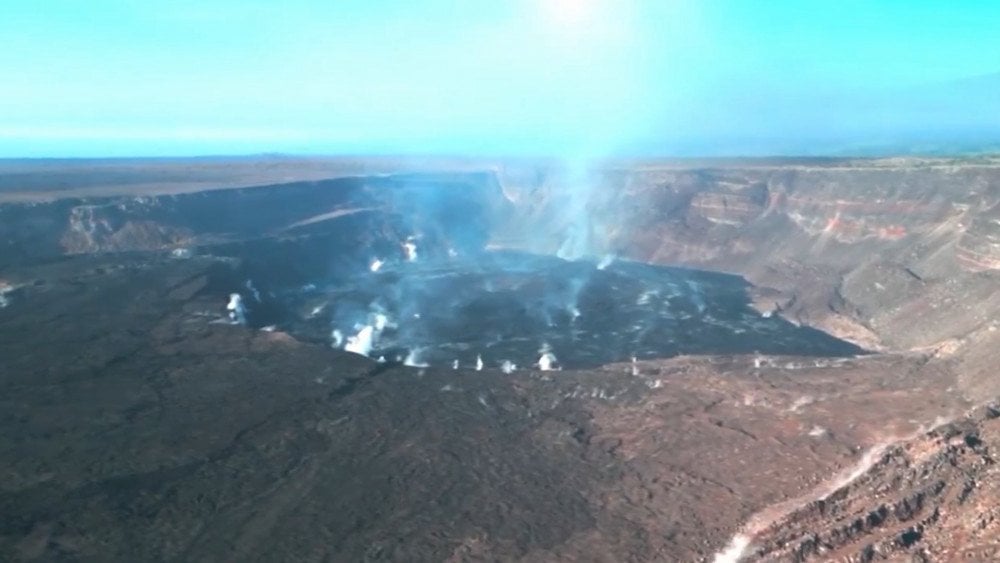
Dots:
pixel 935 497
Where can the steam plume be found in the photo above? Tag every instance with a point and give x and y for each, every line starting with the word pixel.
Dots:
pixel 237 311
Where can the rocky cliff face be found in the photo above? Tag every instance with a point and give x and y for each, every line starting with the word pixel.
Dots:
pixel 931 497
pixel 890 254
pixel 36 231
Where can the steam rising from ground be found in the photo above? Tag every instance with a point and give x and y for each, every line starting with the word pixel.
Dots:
pixel 237 310
pixel 418 284
pixel 572 208
pixel 575 223
pixel 5 290
pixel 362 342
pixel 507 309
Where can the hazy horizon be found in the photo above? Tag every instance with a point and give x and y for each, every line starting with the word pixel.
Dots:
pixel 520 78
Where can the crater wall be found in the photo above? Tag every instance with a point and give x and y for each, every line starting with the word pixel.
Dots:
pixel 890 254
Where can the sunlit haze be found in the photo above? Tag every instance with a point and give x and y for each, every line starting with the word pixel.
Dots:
pixel 119 77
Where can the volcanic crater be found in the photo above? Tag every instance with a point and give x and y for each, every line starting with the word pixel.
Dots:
pixel 511 309
pixel 741 344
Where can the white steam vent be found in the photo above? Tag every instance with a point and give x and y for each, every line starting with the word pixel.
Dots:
pixel 410 249
pixel 336 338
pixel 574 313
pixel 413 360
pixel 362 342
pixel 548 362
pixel 253 290
pixel 237 311
pixel 508 367
pixel 381 322
pixel 479 363
pixel 376 265
pixel 5 288
pixel 733 552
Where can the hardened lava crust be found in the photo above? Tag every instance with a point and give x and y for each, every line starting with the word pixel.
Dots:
pixel 140 423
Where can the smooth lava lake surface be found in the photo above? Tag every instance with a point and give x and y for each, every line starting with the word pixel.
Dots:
pixel 507 306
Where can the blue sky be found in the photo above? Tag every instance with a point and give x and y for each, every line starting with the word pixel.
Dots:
pixel 145 77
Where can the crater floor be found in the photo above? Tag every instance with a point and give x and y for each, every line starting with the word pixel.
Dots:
pixel 509 307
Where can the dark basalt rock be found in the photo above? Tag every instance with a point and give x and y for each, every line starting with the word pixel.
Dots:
pixel 138 424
